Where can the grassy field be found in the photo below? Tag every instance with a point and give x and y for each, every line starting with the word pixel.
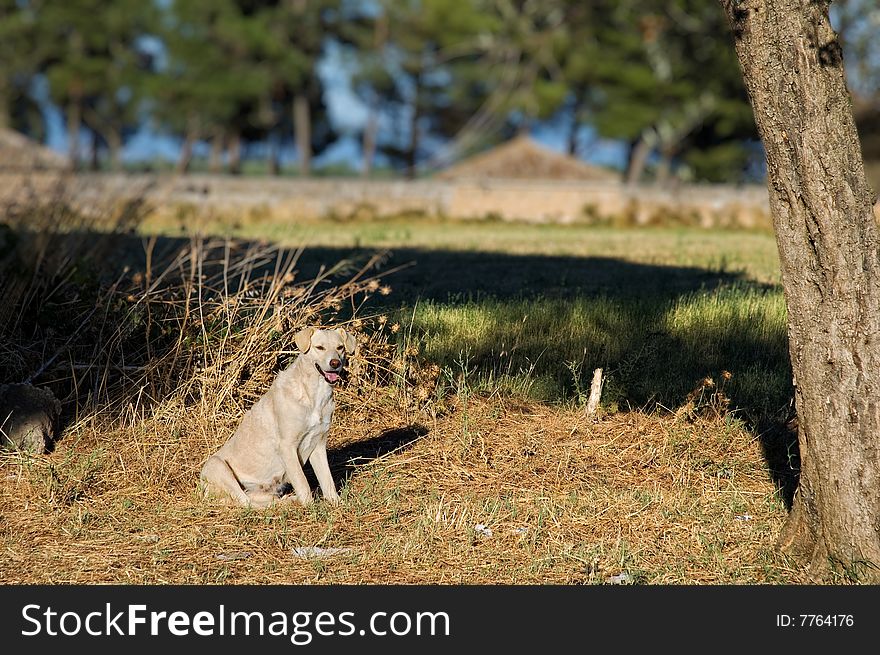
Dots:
pixel 534 309
pixel 461 447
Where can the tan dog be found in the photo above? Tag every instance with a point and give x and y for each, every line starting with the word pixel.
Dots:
pixel 285 428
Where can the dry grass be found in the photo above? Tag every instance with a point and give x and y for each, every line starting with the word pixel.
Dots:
pixel 440 484
pixel 664 499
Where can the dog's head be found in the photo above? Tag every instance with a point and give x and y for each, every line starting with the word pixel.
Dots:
pixel 326 350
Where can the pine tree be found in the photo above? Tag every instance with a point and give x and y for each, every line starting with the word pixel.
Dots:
pixel 427 73
pixel 18 65
pixel 209 86
pixel 95 66
pixel 296 32
pixel 665 86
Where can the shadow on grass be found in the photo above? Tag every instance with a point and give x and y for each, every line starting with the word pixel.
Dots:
pixel 779 444
pixel 656 330
pixel 345 461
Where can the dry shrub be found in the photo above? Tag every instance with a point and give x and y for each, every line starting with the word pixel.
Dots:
pixel 219 319
pixel 108 319
pixel 707 400
pixel 54 278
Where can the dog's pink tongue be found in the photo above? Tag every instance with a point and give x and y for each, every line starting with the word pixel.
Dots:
pixel 331 376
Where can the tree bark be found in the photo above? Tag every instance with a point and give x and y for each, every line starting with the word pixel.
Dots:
pixel 828 248
pixel 664 168
pixel 412 151
pixel 215 159
pixel 186 153
pixel 235 153
pixel 114 147
pixel 74 121
pixel 5 118
pixel 368 145
pixel 274 159
pixel 302 128
pixel 637 161
pixel 575 126
pixel 95 153
pixel 191 135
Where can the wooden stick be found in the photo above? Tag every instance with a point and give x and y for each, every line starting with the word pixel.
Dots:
pixel 595 393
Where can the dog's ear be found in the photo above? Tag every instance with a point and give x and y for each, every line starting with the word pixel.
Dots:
pixel 303 339
pixel 348 340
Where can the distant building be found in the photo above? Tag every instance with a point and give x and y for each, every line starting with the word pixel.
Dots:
pixel 522 158
pixel 19 153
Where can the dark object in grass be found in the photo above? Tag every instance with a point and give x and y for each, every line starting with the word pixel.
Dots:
pixel 28 418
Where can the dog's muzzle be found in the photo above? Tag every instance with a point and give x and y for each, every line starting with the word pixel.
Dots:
pixel 333 376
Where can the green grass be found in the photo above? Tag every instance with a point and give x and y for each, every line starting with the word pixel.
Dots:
pixel 534 309
pixel 651 349
pixel 751 252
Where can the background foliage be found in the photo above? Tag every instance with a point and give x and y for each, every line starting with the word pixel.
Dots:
pixel 434 80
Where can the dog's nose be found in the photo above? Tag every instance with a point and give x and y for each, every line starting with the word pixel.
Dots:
pixel 334 363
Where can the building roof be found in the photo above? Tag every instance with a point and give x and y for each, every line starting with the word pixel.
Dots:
pixel 523 158
pixel 18 152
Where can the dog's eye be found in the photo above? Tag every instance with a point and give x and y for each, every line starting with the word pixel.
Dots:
pixel 339 348
pixel 319 347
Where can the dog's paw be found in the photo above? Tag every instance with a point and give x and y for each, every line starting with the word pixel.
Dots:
pixel 293 499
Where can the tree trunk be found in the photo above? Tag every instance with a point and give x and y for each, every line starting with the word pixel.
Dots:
pixel 74 121
pixel 186 153
pixel 75 93
pixel 574 128
pixel 114 148
pixel 274 158
pixel 189 142
pixel 664 169
pixel 827 239
pixel 302 128
pixel 638 159
pixel 5 118
pixel 215 159
pixel 412 151
pixel 368 146
pixel 95 163
pixel 235 153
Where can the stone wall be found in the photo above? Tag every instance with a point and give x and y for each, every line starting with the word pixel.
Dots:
pixel 513 200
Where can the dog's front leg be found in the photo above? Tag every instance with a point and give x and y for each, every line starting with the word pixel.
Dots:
pixel 296 476
pixel 318 460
